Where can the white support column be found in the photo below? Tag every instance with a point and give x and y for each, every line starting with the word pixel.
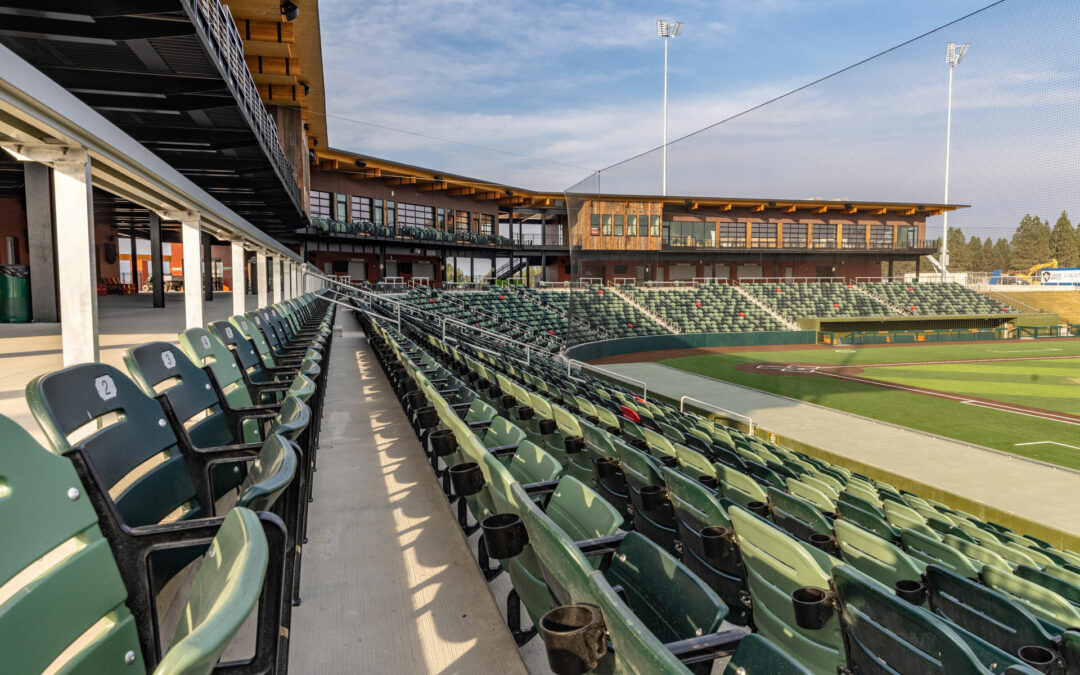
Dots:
pixel 275 268
pixel 191 236
pixel 77 270
pixel 239 270
pixel 288 279
pixel 260 274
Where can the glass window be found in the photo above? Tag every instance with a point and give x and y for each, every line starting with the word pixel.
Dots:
pixel 416 216
pixel 732 235
pixel 320 204
pixel 654 226
pixel 485 223
pixel 594 225
pixel 631 226
pixel 378 212
pixel 391 214
pixel 824 235
pixel 794 235
pixel 461 222
pixel 881 236
pixel 341 210
pixel 440 219
pixel 618 225
pixel 854 236
pixel 907 236
pixel 763 235
pixel 361 209
pixel 605 225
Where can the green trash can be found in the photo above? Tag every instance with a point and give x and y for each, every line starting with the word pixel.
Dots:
pixel 14 293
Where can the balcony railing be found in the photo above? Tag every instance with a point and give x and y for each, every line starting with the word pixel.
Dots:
pixel 216 24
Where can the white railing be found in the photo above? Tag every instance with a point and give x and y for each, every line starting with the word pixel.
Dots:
pixel 711 280
pixel 716 408
pixel 622 281
pixel 581 365
pixel 792 280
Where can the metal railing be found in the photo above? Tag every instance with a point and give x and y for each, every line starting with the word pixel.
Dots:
pixel 221 35
pixel 716 408
pixel 581 365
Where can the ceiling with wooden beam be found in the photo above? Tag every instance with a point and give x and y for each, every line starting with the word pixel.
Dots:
pixel 283 56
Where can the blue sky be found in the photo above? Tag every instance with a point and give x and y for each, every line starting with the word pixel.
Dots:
pixel 580 85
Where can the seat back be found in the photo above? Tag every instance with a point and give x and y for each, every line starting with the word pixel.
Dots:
pixel 875 557
pixel 797 516
pixel 738 487
pixel 131 429
pixel 247 329
pixel 268 474
pixel 203 347
pixel 530 464
pixel 931 550
pixel 241 347
pixel 776 565
pixel 57 570
pixel 641 471
pixel 503 432
pixel 1040 601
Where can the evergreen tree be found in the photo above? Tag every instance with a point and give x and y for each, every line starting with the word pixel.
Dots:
pixel 988 255
pixel 975 260
pixel 959 258
pixel 1000 256
pixel 1064 244
pixel 1031 243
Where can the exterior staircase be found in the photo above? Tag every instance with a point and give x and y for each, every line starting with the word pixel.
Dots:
pixel 896 308
pixel 644 310
pixel 768 310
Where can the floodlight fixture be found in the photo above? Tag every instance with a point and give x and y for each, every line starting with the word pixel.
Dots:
pixel 666 30
pixel 954 53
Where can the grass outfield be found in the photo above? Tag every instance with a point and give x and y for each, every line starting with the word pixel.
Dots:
pixel 992 428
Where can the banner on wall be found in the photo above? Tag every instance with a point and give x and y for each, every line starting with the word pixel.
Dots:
pixel 1065 276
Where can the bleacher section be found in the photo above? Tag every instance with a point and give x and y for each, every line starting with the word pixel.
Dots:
pixel 935 299
pixel 634 535
pixel 707 308
pixel 603 308
pixel 201 450
pixel 824 299
pixel 502 312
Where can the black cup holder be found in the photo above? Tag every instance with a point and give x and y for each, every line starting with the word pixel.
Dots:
pixel 427 417
pixel 504 535
pixel 606 467
pixel 1039 658
pixel 443 442
pixel 760 508
pixel 507 401
pixel 639 444
pixel 494 390
pixel 547 426
pixel 709 482
pixel 911 591
pixel 467 479
pixel 715 541
pixel 573 444
pixel 652 497
pixel 822 541
pixel 574 638
pixel 813 607
pixel 472 376
pixel 408 386
pixel 524 412
pixel 416 399
pixel 670 461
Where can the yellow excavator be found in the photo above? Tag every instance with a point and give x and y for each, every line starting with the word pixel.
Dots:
pixel 1032 275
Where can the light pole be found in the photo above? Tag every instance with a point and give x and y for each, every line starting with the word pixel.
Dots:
pixel 953 54
pixel 666 30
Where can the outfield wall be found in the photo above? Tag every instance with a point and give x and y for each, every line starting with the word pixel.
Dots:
pixel 648 343
pixel 849 324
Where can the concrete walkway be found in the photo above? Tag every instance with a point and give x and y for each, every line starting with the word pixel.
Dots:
pixel 1030 491
pixel 388 585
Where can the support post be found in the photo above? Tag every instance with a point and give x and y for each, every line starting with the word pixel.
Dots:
pixel 157 273
pixel 207 269
pixel 73 204
pixel 191 236
pixel 260 278
pixel 41 241
pixel 275 269
pixel 236 247
pixel 543 265
pixel 494 268
pixel 472 269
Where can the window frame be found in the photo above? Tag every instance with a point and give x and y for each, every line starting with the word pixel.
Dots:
pixel 631 225
pixel 617 225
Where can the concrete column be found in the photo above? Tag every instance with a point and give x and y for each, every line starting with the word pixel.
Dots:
pixel 73 205
pixel 39 230
pixel 260 278
pixel 275 270
pixel 157 285
pixel 207 269
pixel 239 265
pixel 472 269
pixel 543 265
pixel 191 236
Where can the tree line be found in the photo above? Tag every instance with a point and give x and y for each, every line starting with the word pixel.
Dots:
pixel 1035 241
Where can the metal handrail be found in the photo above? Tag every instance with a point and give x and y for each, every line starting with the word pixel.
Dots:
pixel 713 406
pixel 582 365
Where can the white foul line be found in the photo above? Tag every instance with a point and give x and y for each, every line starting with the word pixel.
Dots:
pixel 1064 445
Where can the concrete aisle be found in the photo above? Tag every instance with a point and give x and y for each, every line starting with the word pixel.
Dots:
pixel 388 583
pixel 1032 491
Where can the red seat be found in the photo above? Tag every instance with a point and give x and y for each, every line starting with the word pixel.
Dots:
pixel 629 414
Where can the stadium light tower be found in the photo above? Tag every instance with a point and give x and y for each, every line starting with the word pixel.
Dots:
pixel 666 30
pixel 953 54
